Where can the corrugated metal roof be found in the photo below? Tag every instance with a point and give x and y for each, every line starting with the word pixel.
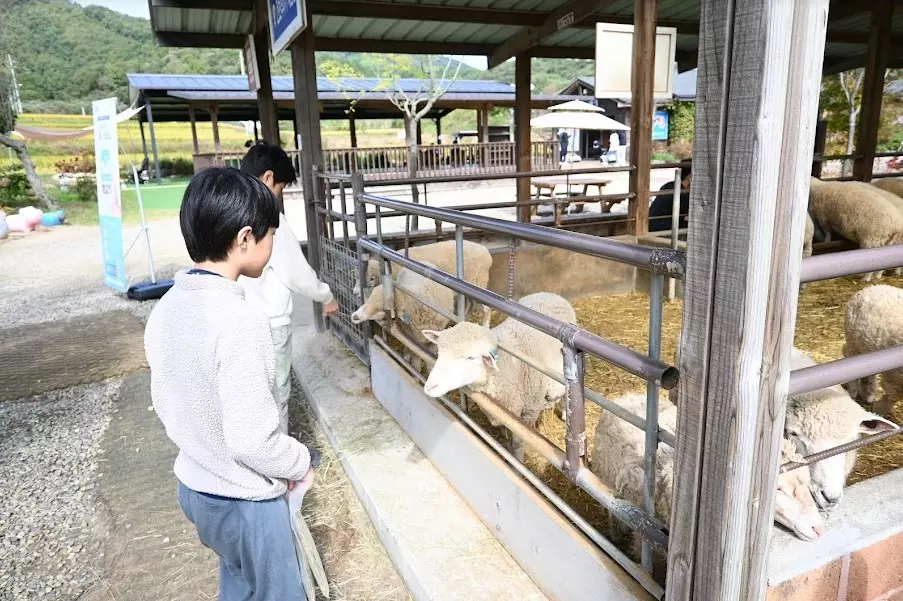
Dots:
pixel 449 97
pixel 684 84
pixel 284 83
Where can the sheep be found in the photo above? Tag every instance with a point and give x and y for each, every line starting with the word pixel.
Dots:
pixel 888 195
pixel 858 214
pixel 894 185
pixel 807 242
pixel 874 321
pixel 442 255
pixel 412 315
pixel 618 459
pixel 468 356
pixel 823 419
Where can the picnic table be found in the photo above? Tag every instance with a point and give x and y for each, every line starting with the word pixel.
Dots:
pixel 545 187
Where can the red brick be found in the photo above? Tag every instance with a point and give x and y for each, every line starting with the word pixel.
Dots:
pixel 817 585
pixel 877 570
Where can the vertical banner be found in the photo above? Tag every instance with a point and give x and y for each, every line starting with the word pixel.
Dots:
pixel 106 156
pixel 660 126
pixel 288 18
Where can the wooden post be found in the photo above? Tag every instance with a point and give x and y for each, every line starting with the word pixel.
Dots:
pixel 484 133
pixel 256 133
pixel 214 123
pixel 522 147
pixel 143 140
pixel 759 79
pixel 266 106
pixel 438 130
pixel 641 110
pixel 821 138
pixel 873 89
pixel 153 137
pixel 352 130
pixel 307 113
pixel 194 130
pixel 419 134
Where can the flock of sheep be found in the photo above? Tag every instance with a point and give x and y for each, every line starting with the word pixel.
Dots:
pixel 475 356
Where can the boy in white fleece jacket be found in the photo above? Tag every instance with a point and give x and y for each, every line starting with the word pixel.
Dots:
pixel 212 376
pixel 286 273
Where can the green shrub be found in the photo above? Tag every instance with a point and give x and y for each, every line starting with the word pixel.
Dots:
pixel 177 167
pixel 682 121
pixel 85 189
pixel 83 163
pixel 14 189
pixel 663 157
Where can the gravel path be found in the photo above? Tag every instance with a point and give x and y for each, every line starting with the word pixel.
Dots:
pixel 50 526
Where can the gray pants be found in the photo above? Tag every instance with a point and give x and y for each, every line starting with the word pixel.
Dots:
pixel 253 539
pixel 282 344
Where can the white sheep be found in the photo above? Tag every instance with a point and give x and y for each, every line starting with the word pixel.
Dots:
pixel 618 461
pixel 412 316
pixel 469 356
pixel 886 190
pixel 807 242
pixel 442 255
pixel 859 213
pixel 823 419
pixel 894 185
pixel 874 321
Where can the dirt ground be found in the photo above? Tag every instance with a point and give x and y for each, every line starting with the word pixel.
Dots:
pixel 90 509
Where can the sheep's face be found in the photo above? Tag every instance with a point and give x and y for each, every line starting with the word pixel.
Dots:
pixel 467 354
pixel 372 278
pixel 812 435
pixel 794 506
pixel 372 310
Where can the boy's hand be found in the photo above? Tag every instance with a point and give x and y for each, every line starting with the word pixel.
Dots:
pixel 330 308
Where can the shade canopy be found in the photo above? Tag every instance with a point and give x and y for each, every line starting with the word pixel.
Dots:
pixel 577 120
pixel 577 106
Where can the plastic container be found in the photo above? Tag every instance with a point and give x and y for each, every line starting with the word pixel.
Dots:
pixel 53 218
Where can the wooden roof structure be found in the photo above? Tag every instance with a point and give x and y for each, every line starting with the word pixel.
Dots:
pixel 499 29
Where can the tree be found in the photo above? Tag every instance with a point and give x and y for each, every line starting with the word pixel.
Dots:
pixel 851 84
pixel 415 104
pixel 7 123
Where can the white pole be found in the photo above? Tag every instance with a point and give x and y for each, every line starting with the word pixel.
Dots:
pixel 144 228
pixel 675 223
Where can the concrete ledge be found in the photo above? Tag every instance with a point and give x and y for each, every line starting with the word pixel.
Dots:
pixel 869 513
pixel 440 548
pixel 565 565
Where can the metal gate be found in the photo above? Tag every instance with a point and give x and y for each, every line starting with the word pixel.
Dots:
pixel 339 265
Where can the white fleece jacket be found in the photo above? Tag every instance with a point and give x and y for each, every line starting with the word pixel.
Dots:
pixel 212 374
pixel 287 272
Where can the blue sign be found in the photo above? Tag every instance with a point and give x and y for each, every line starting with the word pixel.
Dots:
pixel 287 20
pixel 660 126
pixel 113 258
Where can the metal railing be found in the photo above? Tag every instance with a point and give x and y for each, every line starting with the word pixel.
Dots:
pixel 391 162
pixel 576 342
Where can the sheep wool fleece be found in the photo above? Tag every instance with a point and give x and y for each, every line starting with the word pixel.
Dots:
pixel 212 376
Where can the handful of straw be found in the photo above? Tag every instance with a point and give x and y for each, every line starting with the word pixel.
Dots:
pixel 308 557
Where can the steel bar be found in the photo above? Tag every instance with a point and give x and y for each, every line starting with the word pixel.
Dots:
pixel 344 206
pixel 641 576
pixel 636 363
pixel 850 262
pixel 657 260
pixel 656 286
pixel 839 449
pixel 459 264
pixel 845 370
pixel 574 411
pixel 675 228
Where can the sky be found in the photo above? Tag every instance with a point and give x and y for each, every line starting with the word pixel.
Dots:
pixel 138 8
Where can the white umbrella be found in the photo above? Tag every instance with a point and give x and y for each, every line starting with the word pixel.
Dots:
pixel 577 114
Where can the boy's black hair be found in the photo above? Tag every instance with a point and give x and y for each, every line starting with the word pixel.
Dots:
pixel 263 157
pixel 218 202
pixel 685 172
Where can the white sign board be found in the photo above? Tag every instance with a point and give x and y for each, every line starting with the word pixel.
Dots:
pixel 614 60
pixel 288 18
pixel 106 155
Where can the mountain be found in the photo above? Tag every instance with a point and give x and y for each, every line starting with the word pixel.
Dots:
pixel 66 55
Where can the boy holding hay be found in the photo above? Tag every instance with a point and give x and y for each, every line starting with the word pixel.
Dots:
pixel 212 378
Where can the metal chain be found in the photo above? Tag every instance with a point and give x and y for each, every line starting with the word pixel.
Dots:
pixel 511 259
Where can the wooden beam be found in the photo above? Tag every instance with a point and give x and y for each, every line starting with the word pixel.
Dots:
pixel 421 12
pixel 194 130
pixel 266 106
pixel 352 130
pixel 173 39
pixel 873 90
pixel 522 146
pixel 304 72
pixel 214 123
pixel 143 139
pixel 524 41
pixel 642 106
pixel 153 137
pixel 844 9
pixel 759 79
pixel 219 5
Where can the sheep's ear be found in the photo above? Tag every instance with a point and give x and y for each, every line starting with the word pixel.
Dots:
pixel 875 424
pixel 491 360
pixel 431 335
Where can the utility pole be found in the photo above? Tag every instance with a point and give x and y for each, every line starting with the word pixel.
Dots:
pixel 16 101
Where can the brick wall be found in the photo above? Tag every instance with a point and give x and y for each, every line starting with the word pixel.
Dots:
pixel 873 573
